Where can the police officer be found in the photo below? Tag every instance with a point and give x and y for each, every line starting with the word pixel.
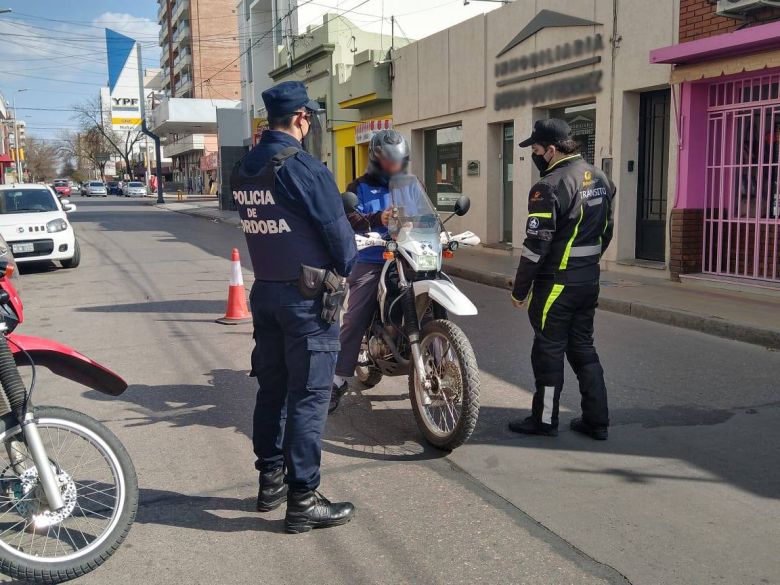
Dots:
pixel 292 215
pixel 569 227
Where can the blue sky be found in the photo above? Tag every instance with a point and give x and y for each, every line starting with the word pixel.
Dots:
pixel 56 49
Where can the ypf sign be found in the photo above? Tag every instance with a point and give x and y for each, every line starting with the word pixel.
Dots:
pixel 123 82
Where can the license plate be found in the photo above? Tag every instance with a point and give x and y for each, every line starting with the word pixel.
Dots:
pixel 22 248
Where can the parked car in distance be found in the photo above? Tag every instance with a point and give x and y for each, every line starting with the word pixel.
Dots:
pixel 34 223
pixel 135 189
pixel 62 187
pixel 113 188
pixel 96 189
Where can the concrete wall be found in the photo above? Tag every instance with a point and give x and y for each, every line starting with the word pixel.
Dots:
pixel 450 78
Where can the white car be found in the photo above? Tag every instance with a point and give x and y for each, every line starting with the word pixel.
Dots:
pixel 134 189
pixel 34 223
pixel 96 189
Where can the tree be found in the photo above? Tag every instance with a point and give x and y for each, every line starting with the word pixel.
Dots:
pixel 88 149
pixel 67 169
pixel 91 116
pixel 42 159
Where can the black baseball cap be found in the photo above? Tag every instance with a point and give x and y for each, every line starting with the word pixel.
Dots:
pixel 288 97
pixel 548 131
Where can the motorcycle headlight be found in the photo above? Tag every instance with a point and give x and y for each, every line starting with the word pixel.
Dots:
pixel 56 225
pixel 426 262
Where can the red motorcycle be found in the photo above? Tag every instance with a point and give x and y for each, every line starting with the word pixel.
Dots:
pixel 68 489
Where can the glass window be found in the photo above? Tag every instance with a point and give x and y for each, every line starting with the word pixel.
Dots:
pixel 582 120
pixel 27 200
pixel 444 166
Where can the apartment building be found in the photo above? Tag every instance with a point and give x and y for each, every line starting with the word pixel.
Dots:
pixel 199 61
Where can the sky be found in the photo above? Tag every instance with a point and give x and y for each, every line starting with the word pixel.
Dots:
pixel 55 50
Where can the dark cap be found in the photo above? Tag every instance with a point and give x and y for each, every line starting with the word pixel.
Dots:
pixel 548 132
pixel 286 98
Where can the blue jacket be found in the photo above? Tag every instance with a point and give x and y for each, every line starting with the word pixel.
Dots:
pixel 291 213
pixel 374 198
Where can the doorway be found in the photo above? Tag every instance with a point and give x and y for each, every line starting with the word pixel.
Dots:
pixel 653 169
pixel 507 170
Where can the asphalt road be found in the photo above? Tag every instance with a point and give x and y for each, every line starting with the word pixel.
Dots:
pixel 685 491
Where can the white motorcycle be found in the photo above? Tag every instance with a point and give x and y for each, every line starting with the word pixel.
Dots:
pixel 410 334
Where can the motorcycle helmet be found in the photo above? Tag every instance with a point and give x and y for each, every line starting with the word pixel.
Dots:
pixel 389 146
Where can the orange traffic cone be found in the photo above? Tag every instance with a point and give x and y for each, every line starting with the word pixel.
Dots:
pixel 237 311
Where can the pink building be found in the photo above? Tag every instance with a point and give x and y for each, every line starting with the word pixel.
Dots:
pixel 726 218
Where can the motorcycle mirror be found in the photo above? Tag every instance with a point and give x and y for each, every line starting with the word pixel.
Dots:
pixel 350 201
pixel 462 205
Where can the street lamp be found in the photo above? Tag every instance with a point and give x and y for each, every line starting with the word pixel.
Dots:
pixel 5 10
pixel 17 142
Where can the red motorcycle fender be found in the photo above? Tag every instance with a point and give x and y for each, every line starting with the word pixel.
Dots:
pixel 66 362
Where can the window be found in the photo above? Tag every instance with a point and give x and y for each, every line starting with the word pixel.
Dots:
pixel 582 120
pixel 444 166
pixel 27 200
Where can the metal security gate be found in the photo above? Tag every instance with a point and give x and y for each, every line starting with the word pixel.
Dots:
pixel 742 193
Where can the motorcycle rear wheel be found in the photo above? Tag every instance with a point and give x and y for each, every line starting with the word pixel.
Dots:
pixel 99 487
pixel 448 421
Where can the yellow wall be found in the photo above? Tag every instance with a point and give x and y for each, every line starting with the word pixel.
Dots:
pixel 345 139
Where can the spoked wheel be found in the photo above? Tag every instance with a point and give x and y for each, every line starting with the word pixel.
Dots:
pixel 367 374
pixel 448 412
pixel 98 485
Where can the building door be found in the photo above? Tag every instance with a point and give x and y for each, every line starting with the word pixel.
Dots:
pixel 742 188
pixel 507 170
pixel 652 177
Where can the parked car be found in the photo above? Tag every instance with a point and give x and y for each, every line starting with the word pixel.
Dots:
pixel 135 189
pixel 34 223
pixel 96 189
pixel 113 188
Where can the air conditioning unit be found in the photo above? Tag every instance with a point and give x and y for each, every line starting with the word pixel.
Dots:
pixel 739 8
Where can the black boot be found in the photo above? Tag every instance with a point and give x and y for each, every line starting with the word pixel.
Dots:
pixel 310 509
pixel 335 396
pixel 272 490
pixel 529 426
pixel 580 426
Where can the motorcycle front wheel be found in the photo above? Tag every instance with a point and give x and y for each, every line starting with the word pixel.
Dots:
pixel 98 485
pixel 447 413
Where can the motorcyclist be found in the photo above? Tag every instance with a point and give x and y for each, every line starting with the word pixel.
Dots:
pixel 388 155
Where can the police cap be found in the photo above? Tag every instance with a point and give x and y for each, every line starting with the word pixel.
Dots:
pixel 286 98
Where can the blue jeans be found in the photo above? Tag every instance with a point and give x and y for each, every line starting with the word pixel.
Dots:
pixel 293 360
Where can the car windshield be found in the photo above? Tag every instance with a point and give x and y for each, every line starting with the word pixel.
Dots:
pixel 135 184
pixel 27 201
pixel 60 183
pixel 416 218
pixel 96 184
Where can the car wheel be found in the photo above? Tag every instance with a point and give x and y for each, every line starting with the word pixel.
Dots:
pixel 75 260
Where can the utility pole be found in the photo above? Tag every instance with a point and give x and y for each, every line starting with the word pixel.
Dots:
pixel 145 128
pixel 17 141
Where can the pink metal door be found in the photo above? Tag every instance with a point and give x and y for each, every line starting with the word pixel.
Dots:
pixel 742 197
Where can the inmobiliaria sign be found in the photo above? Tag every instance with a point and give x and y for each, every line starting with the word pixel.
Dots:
pixel 541 63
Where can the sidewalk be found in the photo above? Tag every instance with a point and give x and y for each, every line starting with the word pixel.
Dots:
pixel 733 314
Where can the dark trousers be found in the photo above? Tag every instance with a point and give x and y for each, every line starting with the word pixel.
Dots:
pixel 562 318
pixel 293 360
pixel 358 311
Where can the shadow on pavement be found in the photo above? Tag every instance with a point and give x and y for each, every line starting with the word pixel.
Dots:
pixel 177 306
pixel 203 512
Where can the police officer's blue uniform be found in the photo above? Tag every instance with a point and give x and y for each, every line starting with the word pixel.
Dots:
pixel 291 213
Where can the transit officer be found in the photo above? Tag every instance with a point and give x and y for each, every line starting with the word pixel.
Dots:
pixel 569 227
pixel 292 215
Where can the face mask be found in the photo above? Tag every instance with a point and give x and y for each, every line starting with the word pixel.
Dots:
pixel 540 162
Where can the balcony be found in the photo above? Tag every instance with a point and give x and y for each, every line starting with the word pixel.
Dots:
pixel 163 36
pixel 180 9
pixel 182 33
pixel 162 11
pixel 182 61
pixel 184 83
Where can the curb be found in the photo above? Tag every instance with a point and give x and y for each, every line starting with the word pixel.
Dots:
pixel 710 325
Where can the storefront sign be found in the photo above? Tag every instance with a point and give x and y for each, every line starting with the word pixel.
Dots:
pixel 124 87
pixel 209 161
pixel 568 56
pixel 365 130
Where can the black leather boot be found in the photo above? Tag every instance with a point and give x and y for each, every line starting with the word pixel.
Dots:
pixel 529 426
pixel 272 491
pixel 580 426
pixel 310 509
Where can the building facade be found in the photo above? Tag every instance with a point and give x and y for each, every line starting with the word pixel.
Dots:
pixel 467 95
pixel 199 60
pixel 726 217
